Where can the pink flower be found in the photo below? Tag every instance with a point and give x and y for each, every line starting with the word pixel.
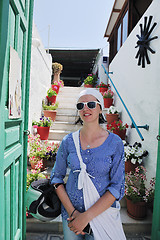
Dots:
pixel 35 126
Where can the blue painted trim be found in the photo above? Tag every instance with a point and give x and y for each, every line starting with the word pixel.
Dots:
pixel 133 122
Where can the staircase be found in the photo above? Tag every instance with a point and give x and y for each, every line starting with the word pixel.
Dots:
pixel 66 117
pixel 67 114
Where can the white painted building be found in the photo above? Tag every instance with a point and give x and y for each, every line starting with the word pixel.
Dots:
pixel 139 87
pixel 40 81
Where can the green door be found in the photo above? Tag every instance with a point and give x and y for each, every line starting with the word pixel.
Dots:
pixel 156 210
pixel 15 52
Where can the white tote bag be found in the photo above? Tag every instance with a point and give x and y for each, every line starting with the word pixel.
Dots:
pixel 108 224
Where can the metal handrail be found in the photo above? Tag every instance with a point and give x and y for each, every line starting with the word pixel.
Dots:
pixel 133 122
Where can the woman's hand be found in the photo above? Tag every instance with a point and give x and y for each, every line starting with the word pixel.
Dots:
pixel 77 222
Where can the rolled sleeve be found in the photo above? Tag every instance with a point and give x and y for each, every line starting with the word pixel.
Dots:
pixel 117 173
pixel 60 167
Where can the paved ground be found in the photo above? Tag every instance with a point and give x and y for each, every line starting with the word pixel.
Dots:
pixel 36 236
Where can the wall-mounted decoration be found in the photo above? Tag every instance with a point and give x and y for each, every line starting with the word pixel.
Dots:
pixel 14 85
pixel 143 43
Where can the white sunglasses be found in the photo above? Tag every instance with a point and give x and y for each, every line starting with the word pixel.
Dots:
pixel 91 105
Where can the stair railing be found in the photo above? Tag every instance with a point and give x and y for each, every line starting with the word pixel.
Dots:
pixel 133 125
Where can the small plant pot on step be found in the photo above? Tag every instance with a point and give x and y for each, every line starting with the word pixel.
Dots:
pixel 137 210
pixel 112 117
pixel 108 102
pixel 50 113
pixel 43 132
pixel 55 88
pixel 52 99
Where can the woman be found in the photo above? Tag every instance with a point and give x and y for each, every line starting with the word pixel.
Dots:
pixel 103 154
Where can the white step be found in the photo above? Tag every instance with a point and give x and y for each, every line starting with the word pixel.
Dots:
pixel 70 126
pixel 57 134
pixel 66 117
pixel 67 111
pixel 69 98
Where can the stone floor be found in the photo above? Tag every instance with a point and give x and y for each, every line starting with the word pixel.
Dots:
pixel 44 236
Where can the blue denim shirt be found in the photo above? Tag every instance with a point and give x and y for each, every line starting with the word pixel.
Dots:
pixel 105 163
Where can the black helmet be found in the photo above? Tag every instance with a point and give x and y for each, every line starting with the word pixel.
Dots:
pixel 42 200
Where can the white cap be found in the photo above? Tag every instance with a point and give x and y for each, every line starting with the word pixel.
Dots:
pixel 93 92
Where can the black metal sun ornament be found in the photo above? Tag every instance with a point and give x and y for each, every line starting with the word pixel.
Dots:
pixel 143 42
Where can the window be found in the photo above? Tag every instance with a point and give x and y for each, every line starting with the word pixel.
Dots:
pixel 122 31
pixel 119 37
pixel 125 28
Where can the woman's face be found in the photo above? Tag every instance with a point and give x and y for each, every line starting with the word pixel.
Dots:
pixel 89 115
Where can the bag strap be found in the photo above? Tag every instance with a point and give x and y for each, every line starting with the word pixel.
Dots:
pixel 76 142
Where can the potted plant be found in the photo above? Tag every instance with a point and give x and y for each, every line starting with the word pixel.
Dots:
pixel 40 152
pixel 56 85
pixel 118 128
pixel 136 193
pixel 103 87
pixel 43 126
pixel 112 114
pixel 90 81
pixel 108 98
pixel 56 69
pixel 134 155
pixel 50 110
pixel 51 96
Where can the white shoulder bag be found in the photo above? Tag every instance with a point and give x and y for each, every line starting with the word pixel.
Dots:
pixel 108 224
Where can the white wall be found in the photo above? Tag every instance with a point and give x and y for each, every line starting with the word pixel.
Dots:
pixel 40 81
pixel 98 66
pixel 140 87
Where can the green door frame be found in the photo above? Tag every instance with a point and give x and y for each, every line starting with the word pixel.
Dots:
pixel 5 6
pixel 30 24
pixel 156 209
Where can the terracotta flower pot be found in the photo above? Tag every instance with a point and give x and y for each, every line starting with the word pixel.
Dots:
pixel 107 102
pixel 88 85
pixel 52 99
pixel 129 166
pixel 103 89
pixel 50 113
pixel 120 133
pixel 55 88
pixel 43 132
pixel 137 210
pixel 112 117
